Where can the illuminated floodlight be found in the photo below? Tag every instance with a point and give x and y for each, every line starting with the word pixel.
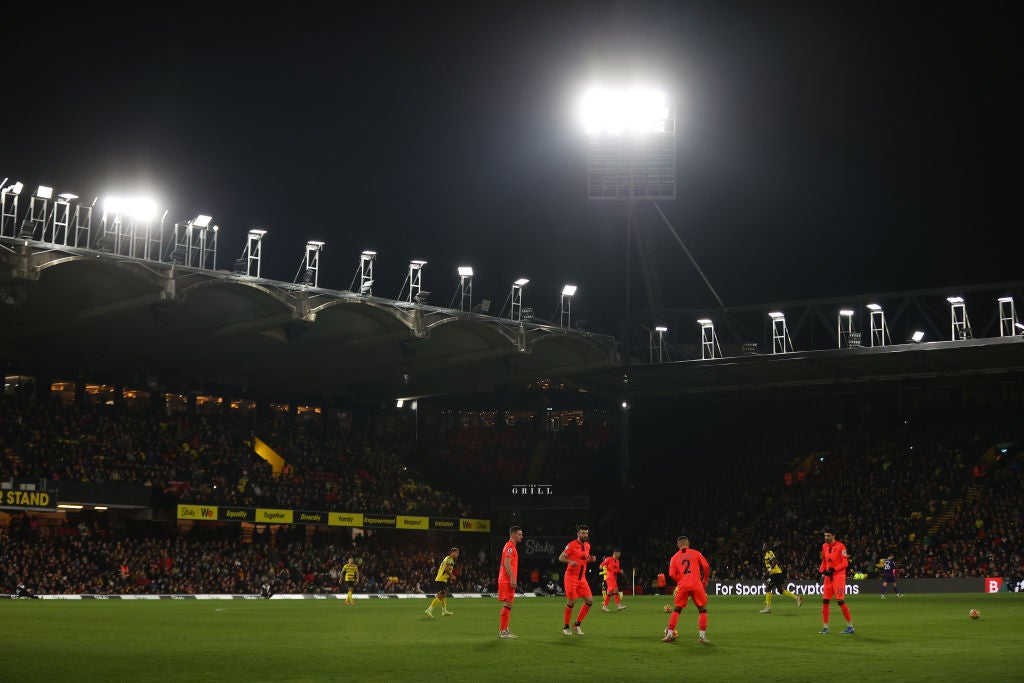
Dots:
pixel 315 243
pixel 846 313
pixel 417 262
pixel 44 192
pixel 368 253
pixel 1019 326
pixel 917 336
pixel 1005 299
pixel 781 342
pixel 202 221
pixel 257 233
pixel 662 328
pixel 465 271
pixel 700 321
pixel 16 188
pixel 569 290
pixel 399 403
pixel 67 196
pixel 142 208
pixel 874 307
pixel 955 299
pixel 521 282
pixel 775 315
pixel 638 110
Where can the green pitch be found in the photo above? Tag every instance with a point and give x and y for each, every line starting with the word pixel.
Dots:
pixel 918 638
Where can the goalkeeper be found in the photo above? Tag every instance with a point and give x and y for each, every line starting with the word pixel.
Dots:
pixel 775 580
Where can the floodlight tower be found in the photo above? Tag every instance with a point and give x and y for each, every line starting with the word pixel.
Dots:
pixel 879 330
pixel 846 337
pixel 781 343
pixel 38 208
pixel 960 327
pixel 366 260
pixel 565 319
pixel 656 339
pixel 416 280
pixel 1007 317
pixel 309 267
pixel 631 157
pixel 60 218
pixel 465 288
pixel 9 202
pixel 253 252
pixel 516 312
pixel 709 347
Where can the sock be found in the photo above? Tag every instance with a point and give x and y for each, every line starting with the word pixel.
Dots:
pixel 444 603
pixel 768 599
pixel 583 614
pixel 349 598
pixel 673 620
pixel 883 590
pixel 702 621
pixel 568 616
pixel 789 594
pixel 895 589
pixel 606 596
pixel 824 614
pixel 434 603
pixel 846 613
pixel 618 599
pixel 506 616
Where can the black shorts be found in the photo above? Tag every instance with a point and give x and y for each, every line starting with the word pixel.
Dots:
pixel 441 587
pixel 351 585
pixel 777 581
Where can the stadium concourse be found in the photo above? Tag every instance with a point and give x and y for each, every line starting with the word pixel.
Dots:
pixel 140 399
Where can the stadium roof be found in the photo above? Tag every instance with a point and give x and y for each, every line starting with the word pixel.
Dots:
pixel 86 313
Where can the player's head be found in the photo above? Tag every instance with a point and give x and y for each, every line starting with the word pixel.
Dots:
pixel 616 553
pixel 829 536
pixel 515 533
pixel 350 560
pixel 454 552
pixel 683 541
pixel 583 532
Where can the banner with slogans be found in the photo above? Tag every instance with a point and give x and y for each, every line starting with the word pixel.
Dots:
pixel 322 518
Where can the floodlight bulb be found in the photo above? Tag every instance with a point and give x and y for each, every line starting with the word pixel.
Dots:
pixel 417 263
pixel 369 254
pixel 874 307
pixel 257 232
pixel 521 282
pixel 16 188
pixel 465 271
pixel 141 208
pixel 569 290
pixel 1006 299
pixel 315 244
pixel 775 315
pixel 399 403
pixel 917 336
pixel 955 299
pixel 202 220
pixel 704 321
pixel 637 110
pixel 846 313
pixel 44 192
pixel 67 196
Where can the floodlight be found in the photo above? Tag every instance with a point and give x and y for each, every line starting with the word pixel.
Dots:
pixel 315 243
pixel 67 196
pixel 700 321
pixel 112 204
pixel 418 263
pixel 569 290
pixel 1019 326
pixel 775 315
pixel 955 299
pixel 258 233
pixel 202 221
pixel 142 208
pixel 421 296
pixel 521 282
pixel 1005 299
pixel 662 328
pixel 369 254
pixel 16 188
pixel 846 313
pixel 874 307
pixel 465 271
pixel 399 403
pixel 639 110
pixel 917 336
pixel 44 192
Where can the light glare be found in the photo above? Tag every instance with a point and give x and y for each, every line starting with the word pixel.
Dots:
pixel 637 110
pixel 568 290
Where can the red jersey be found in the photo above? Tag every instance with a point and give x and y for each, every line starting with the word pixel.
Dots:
pixel 689 569
pixel 580 552
pixel 512 552
pixel 833 556
pixel 612 568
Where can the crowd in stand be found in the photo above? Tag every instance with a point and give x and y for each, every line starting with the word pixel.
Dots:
pixel 943 497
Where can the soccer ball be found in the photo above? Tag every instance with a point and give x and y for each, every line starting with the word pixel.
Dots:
pixel 668 608
pixel 974 614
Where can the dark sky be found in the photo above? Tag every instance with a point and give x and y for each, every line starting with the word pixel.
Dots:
pixel 824 149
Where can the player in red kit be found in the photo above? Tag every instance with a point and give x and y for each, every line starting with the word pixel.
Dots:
pixel 576 555
pixel 833 573
pixel 691 572
pixel 612 569
pixel 508 573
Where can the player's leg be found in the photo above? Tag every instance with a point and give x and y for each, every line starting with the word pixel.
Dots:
pixel 826 597
pixel 840 592
pixel 583 591
pixel 570 602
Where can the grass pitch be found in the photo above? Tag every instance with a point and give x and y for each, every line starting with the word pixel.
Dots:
pixel 917 638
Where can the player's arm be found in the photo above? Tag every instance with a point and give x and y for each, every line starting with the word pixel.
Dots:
pixel 507 562
pixel 564 557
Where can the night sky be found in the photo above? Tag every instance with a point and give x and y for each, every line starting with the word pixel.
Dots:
pixel 824 149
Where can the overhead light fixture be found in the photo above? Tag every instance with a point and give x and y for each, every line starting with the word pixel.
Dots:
pixel 465 271
pixel 700 321
pixel 521 282
pixel 775 315
pixel 16 188
pixel 917 336
pixel 202 221
pixel 44 192
pixel 661 328
pixel 399 403
pixel 568 290
pixel 614 112
pixel 67 196
pixel 258 233
pixel 846 313
pixel 874 307
pixel 69 506
pixel 417 262
pixel 955 299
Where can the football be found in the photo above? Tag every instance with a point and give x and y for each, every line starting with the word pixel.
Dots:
pixel 668 608
pixel 974 614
